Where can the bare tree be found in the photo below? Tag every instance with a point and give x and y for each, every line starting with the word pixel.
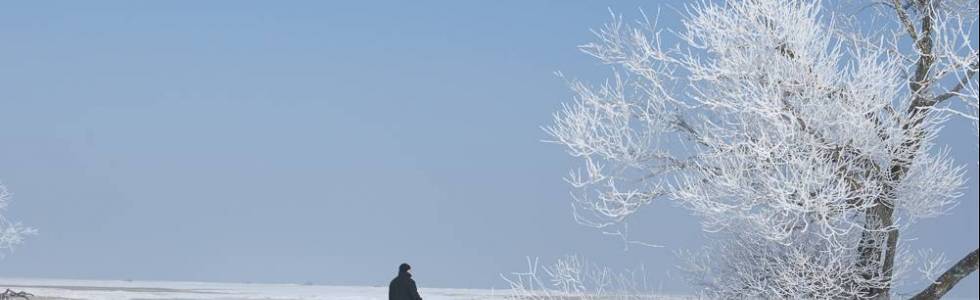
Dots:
pixel 804 149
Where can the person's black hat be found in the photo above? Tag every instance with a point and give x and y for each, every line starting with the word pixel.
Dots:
pixel 403 268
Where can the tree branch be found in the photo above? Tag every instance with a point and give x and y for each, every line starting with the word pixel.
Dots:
pixel 903 16
pixel 970 73
pixel 920 80
pixel 950 278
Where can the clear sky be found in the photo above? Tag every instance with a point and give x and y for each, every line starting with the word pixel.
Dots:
pixel 319 141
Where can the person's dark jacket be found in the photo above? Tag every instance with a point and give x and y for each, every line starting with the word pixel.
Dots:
pixel 403 288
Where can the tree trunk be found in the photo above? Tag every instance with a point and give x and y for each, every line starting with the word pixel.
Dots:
pixel 877 251
pixel 878 247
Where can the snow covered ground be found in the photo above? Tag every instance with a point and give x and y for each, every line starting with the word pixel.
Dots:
pixel 63 289
pixel 58 289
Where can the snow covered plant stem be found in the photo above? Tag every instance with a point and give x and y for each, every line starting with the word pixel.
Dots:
pixel 805 150
pixel 571 277
pixel 11 233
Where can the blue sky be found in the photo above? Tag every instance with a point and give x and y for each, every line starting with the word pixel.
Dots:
pixel 313 141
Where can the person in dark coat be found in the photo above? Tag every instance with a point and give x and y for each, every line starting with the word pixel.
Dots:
pixel 403 286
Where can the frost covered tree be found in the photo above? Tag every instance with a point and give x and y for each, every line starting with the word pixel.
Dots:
pixel 11 233
pixel 804 148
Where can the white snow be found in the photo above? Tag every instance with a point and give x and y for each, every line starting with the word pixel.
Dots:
pixel 125 290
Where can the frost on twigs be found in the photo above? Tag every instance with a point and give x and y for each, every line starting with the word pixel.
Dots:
pixel 11 233
pixel 573 278
pixel 802 149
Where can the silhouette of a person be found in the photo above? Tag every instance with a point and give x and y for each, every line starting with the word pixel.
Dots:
pixel 403 286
